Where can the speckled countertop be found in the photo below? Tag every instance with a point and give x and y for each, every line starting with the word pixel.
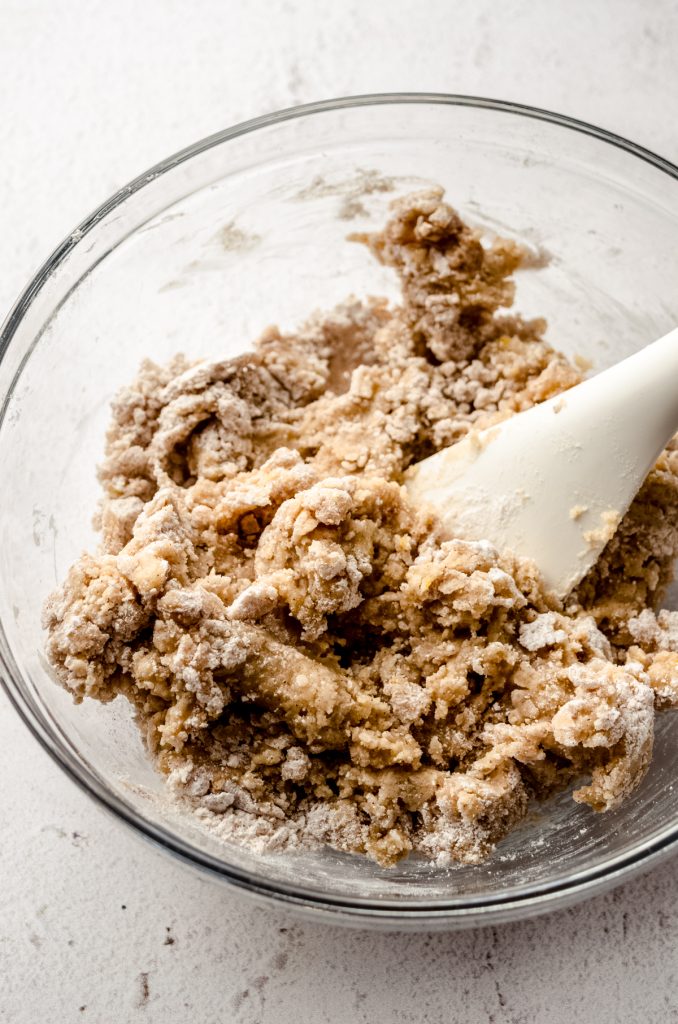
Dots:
pixel 93 925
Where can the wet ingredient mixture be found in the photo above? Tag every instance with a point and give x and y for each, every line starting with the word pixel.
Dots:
pixel 309 659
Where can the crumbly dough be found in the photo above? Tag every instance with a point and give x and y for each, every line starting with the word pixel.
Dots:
pixel 303 649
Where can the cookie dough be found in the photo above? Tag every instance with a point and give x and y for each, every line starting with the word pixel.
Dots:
pixel 303 649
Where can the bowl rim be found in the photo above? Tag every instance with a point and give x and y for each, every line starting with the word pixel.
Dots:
pixel 521 901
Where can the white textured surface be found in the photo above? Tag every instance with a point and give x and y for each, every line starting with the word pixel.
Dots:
pixel 94 926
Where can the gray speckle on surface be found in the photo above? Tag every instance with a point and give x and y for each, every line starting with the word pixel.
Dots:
pixel 82 926
pixel 144 989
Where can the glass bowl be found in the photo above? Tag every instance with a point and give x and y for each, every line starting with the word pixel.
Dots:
pixel 248 228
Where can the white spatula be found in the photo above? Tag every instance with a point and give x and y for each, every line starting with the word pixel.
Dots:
pixel 552 483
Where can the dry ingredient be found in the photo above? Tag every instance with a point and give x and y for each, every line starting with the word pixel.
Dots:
pixel 310 661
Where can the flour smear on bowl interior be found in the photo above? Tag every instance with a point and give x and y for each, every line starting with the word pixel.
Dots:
pixel 309 659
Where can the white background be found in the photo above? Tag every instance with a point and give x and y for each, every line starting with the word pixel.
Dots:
pixel 93 925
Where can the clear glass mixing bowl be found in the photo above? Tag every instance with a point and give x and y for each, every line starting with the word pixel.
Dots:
pixel 249 228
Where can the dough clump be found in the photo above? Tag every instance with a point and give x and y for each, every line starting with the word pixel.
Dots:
pixel 309 659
